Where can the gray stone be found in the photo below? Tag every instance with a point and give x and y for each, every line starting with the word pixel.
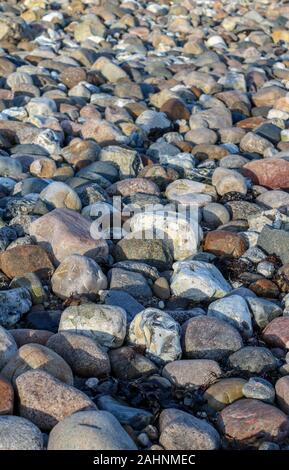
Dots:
pixel 234 310
pixel 14 304
pixel 253 360
pixel 8 347
pixel 260 389
pixel 135 417
pixel 19 434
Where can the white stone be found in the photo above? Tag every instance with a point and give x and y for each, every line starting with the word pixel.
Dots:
pixel 235 311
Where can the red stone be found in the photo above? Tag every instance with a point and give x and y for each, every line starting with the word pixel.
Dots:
pixel 223 243
pixel 276 334
pixel 6 397
pixel 271 172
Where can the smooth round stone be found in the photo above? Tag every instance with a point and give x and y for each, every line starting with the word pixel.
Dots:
pixel 45 401
pixel 41 107
pixel 254 143
pixel 43 168
pixel 269 172
pixel 10 167
pixel 157 333
pixel 24 259
pixel 215 214
pixel 201 136
pixel 209 338
pixel 128 187
pixel 132 282
pixel 192 373
pixel 78 275
pixel 276 333
pixel 84 356
pixel 253 360
pixel 152 121
pixel 260 389
pixel 183 431
pixel 60 195
pixel 161 288
pixel 233 161
pixel 105 324
pixel 235 311
pixel 6 397
pixel 90 430
pixel 37 357
pixel 128 364
pixel 225 243
pixel 17 79
pixel 19 434
pixel 153 252
pixel 273 199
pixel 248 422
pixel 8 347
pixel 224 392
pixel 231 135
pixel 226 181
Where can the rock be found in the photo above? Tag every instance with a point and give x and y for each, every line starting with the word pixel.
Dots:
pixel 126 415
pixel 235 311
pixel 37 357
pixel 260 389
pixel 153 252
pixel 33 284
pixel 64 232
pixel 225 243
pixel 271 173
pixel 161 288
pixel 19 434
pixel 248 422
pixel 8 347
pixel 60 195
pixel 14 304
pixel 153 122
pixel 200 435
pixel 274 241
pixel 263 311
pixel 192 373
pixel 253 360
pixel 131 282
pixel 27 335
pixel 105 324
pixel 224 392
pixel 276 333
pixel 24 259
pixel 282 393
pixel 90 430
pixel 130 186
pixel 127 364
pixel 175 109
pixel 44 320
pixel 215 214
pixel 6 397
pixel 209 338
pixel 273 199
pixel 268 95
pixel 124 300
pixel 84 356
pixel 255 143
pixel 78 275
pixel 157 333
pixel 226 181
pixel 127 161
pixel 198 281
pixel 45 401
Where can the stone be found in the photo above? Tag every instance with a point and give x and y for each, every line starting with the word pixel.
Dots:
pixel 14 304
pixel 267 96
pixel 161 288
pixel 17 433
pixel 274 241
pixel 260 389
pixel 43 168
pixel 198 281
pixel 224 392
pixel 272 173
pixel 137 418
pixel 175 424
pixel 133 283
pixel 124 300
pixel 63 232
pixel 175 109
pixel 215 214
pixel 28 335
pixel 83 355
pixel 127 161
pixel 45 401
pixel 225 243
pixel 209 338
pixel 273 199
pixel 253 360
pixel 105 324
pixel 130 186
pixel 60 195
pixel 192 373
pixel 153 122
pixel 226 181
pixel 128 364
pixel 37 357
pixel 157 333
pixel 6 397
pixel 255 143
pixel 276 333
pixel 263 311
pixel 78 275
pixel 282 393
pixel 24 259
pixel 248 422
pixel 235 311
pixel 8 347
pixel 90 430
pixel 153 252
pixel 33 284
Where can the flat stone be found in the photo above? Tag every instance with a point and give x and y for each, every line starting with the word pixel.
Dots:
pixel 45 401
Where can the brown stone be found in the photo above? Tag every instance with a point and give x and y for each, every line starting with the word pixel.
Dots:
pixel 268 96
pixel 45 401
pixel 6 397
pixel 71 76
pixel 28 335
pixel 43 168
pixel 265 288
pixel 175 109
pixel 161 288
pixel 192 373
pixel 276 334
pixel 251 122
pixel 64 232
pixel 272 173
pixel 280 35
pixel 24 259
pixel 282 393
pixel 249 422
pixel 127 187
pixel 224 392
pixel 222 243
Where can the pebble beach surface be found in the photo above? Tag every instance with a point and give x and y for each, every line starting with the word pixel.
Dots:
pixel 144 225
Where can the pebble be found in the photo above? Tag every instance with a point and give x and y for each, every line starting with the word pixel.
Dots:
pixel 18 433
pixel 235 311
pixel 224 392
pixel 260 389
pixel 192 373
